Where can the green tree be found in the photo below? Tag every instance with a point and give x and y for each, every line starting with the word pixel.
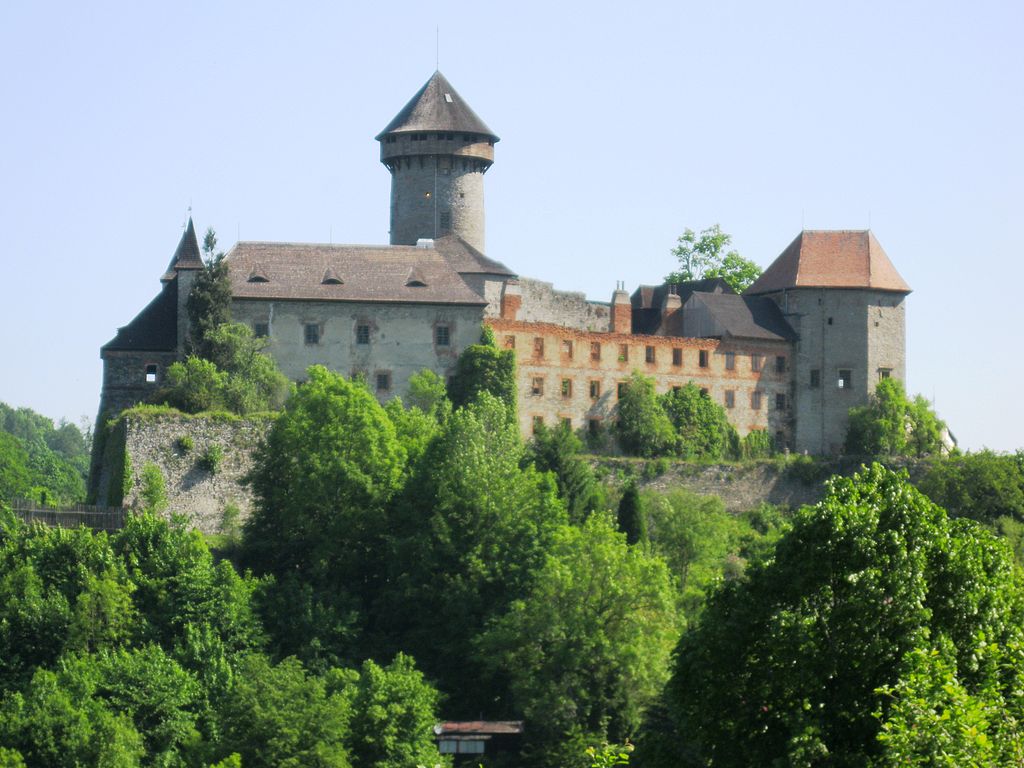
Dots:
pixel 702 428
pixel 891 425
pixel 153 490
pixel 643 428
pixel 557 450
pixel 394 713
pixel 485 368
pixel 701 256
pixel 427 391
pixel 787 664
pixel 209 300
pixel 631 518
pixel 281 717
pixel 983 486
pixel 322 481
pixel 588 645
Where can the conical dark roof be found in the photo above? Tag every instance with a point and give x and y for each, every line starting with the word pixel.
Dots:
pixel 437 107
pixel 187 254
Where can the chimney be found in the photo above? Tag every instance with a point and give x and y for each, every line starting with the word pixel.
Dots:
pixel 511 300
pixel 671 304
pixel 622 310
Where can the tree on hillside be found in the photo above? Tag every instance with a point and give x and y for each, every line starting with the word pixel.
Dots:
pixel 983 486
pixel 701 256
pixel 485 368
pixel 643 428
pixel 786 666
pixel 892 425
pixel 702 427
pixel 632 520
pixel 209 301
pixel 557 450
pixel 587 647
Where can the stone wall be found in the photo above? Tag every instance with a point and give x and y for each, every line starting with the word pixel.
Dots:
pixel 541 303
pixel 193 490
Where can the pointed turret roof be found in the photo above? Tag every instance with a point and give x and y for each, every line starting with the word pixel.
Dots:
pixel 831 259
pixel 437 107
pixel 186 256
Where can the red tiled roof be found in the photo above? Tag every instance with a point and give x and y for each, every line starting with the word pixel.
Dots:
pixel 831 259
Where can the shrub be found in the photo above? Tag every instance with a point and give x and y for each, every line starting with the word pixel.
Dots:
pixel 212 458
pixel 153 489
pixel 184 444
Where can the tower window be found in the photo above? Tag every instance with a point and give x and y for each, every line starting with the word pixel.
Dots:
pixel 845 378
pixel 884 373
pixel 780 401
pixel 445 222
pixel 815 378
pixel 151 370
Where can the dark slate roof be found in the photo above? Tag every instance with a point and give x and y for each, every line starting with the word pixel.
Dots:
pixel 646 301
pixel 154 329
pixel 437 107
pixel 467 260
pixel 745 317
pixel 186 255
pixel 370 273
pixel 831 259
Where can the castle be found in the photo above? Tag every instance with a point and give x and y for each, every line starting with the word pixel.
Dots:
pixel 805 343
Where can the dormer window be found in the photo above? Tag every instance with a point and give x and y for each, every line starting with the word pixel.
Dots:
pixel 415 279
pixel 331 278
pixel 257 275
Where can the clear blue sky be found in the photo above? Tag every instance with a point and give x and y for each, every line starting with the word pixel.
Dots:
pixel 621 124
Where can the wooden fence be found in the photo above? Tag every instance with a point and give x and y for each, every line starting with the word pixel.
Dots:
pixel 98 518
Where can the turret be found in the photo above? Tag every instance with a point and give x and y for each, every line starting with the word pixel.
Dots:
pixel 437 151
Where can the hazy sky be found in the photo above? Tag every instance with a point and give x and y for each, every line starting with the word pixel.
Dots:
pixel 621 124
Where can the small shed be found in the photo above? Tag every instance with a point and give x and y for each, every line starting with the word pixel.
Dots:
pixel 477 737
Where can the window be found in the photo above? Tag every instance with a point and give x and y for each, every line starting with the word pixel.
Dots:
pixel 510 342
pixel 704 391
pixel 445 222
pixel 567 348
pixel 884 373
pixel 623 353
pixel 595 390
pixel 151 370
pixel 383 381
pixel 593 426
pixel 538 347
pixel 362 334
pixel 755 400
pixel 780 364
pixel 703 358
pixel 755 362
pixel 442 336
pixel 815 378
pixel 595 350
pixel 621 389
pixel 538 422
pixel 845 378
pixel 730 398
pixel 261 330
pixel 677 357
pixel 566 387
pixel 567 422
pixel 830 321
pixel 780 401
pixel 730 361
pixel 538 386
pixel 649 354
pixel 311 333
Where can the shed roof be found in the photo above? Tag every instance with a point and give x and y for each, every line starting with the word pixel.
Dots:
pixel 154 329
pixel 831 259
pixel 437 107
pixel 488 727
pixel 369 273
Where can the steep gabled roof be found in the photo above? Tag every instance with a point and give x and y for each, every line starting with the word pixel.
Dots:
pixel 186 255
pixel 437 107
pixel 371 273
pixel 154 329
pixel 742 317
pixel 831 259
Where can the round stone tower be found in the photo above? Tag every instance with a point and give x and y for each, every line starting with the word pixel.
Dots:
pixel 438 151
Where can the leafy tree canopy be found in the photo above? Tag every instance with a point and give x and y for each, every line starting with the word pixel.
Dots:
pixel 643 427
pixel 485 368
pixel 786 665
pixel 702 427
pixel 892 425
pixel 209 300
pixel 557 450
pixel 704 256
